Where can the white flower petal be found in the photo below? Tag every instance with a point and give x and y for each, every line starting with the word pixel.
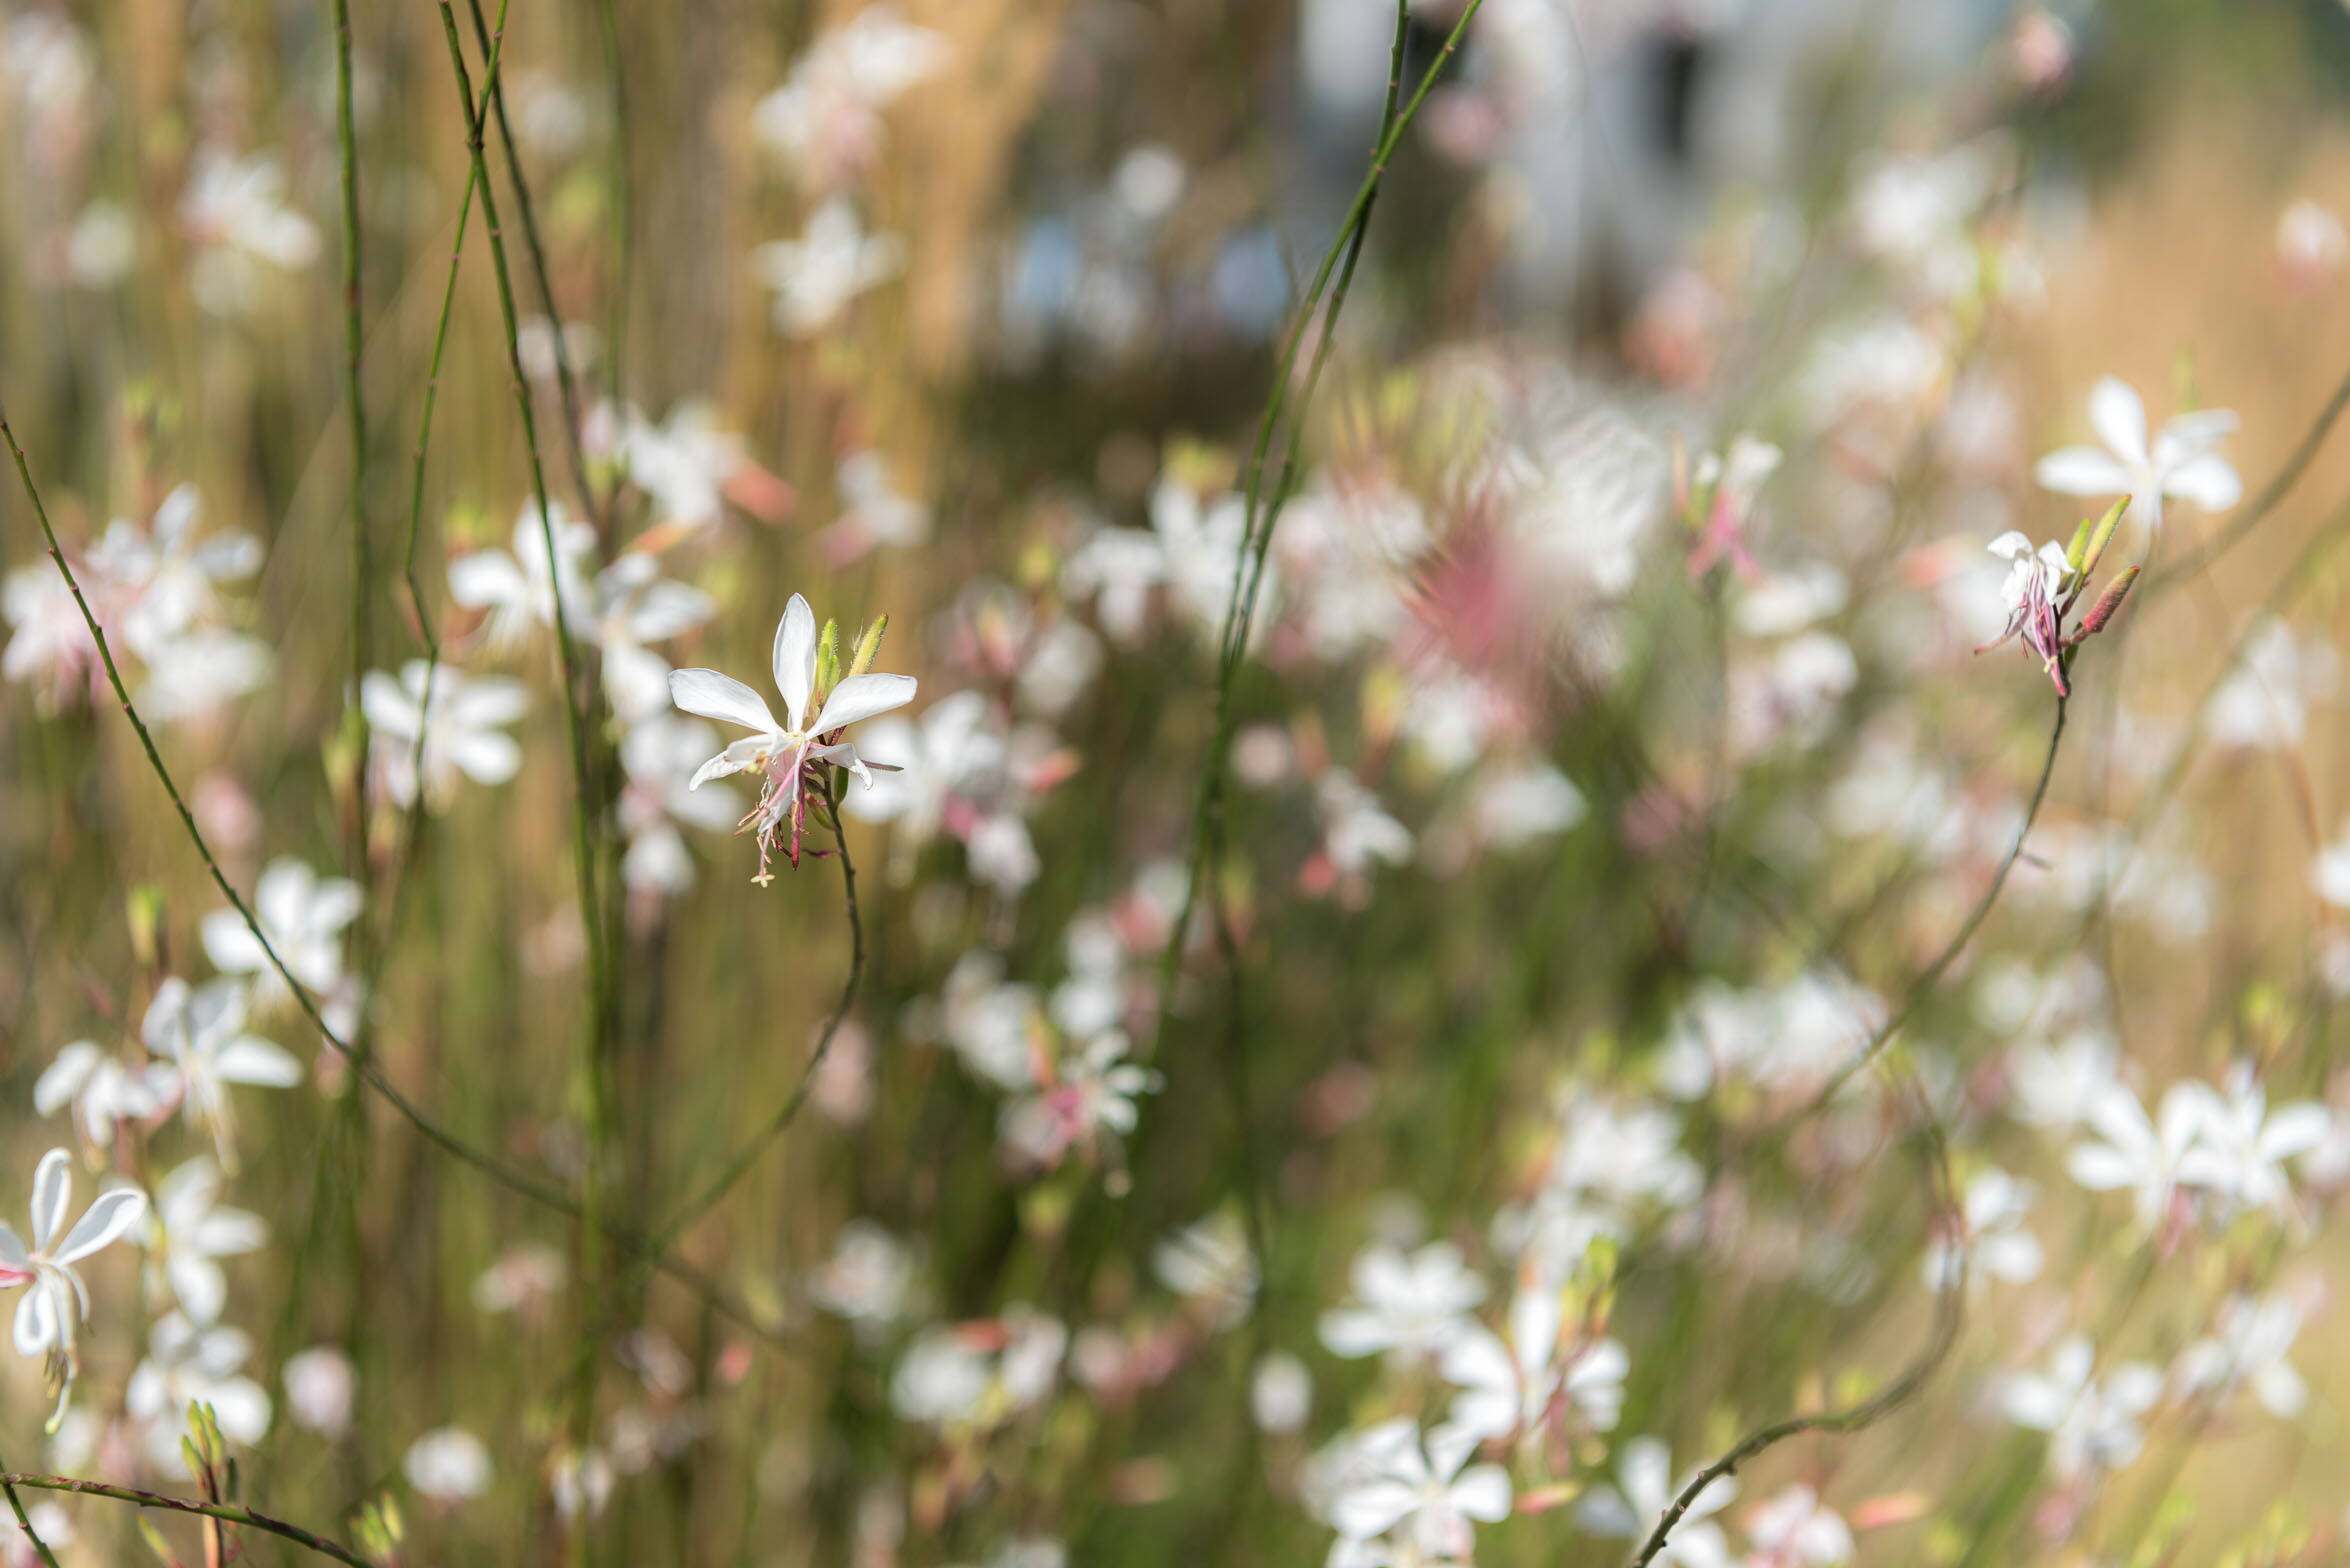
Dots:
pixel 861 697
pixel 794 659
pixel 716 696
pixel 2118 416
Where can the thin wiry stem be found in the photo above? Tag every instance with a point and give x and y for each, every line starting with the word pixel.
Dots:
pixel 2300 576
pixel 623 204
pixel 591 912
pixel 1259 518
pixel 1923 984
pixel 718 1186
pixel 362 568
pixel 231 1513
pixel 497 1170
pixel 566 379
pixel 1949 1312
pixel 24 1523
pixel 2271 494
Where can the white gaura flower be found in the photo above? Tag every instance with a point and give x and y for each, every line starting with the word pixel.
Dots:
pixel 782 753
pixel 321 1384
pixel 169 573
pixel 302 914
pixel 832 262
pixel 2247 1349
pixel 202 1034
pixel 188 1232
pixel 655 755
pixel 1424 1489
pixel 873 512
pixel 1088 1101
pixel 188 1365
pixel 2181 460
pixel 1211 1265
pixel 463 726
pixel 519 590
pixel 235 211
pixel 2244 1146
pixel 635 605
pixel 2145 1156
pixel 448 1465
pixel 1644 1489
pixel 104 1090
pixel 58 1302
pixel 1995 1244
pixel 2092 1424
pixel 1406 1305
pixel 1519 1386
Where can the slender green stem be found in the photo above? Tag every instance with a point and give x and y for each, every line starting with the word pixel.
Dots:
pixel 24 1523
pixel 230 1513
pixel 1923 984
pixel 362 569
pixel 587 813
pixel 623 205
pixel 566 378
pixel 591 913
pixel 1949 1313
pixel 1257 530
pixel 2271 494
pixel 744 1158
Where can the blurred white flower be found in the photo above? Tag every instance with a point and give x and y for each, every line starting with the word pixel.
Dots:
pixel 2244 1146
pixel 320 1384
pixel 167 575
pixel 657 755
pixel 58 1302
pixel 519 590
pixel 832 262
pixel 1996 1244
pixel 189 1231
pixel 104 1091
pixel 527 1277
pixel 2247 1349
pixel 2264 703
pixel 448 1465
pixel 873 512
pixel 1518 1385
pixel 2140 1155
pixel 1211 1265
pixel 234 210
pixel 302 914
pixel 187 1365
pixel 1406 1305
pixel 201 1032
pixel 826 117
pixel 2056 1086
pixel 1644 1488
pixel 1281 1393
pixel 462 725
pixel 1796 1529
pixel 683 464
pixel 1356 829
pixel 1089 1100
pixel 1424 1489
pixel 635 605
pixel 869 1279
pixel 2311 244
pixel 2182 459
pixel 2092 1425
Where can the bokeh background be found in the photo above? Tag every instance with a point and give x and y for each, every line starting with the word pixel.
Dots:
pixel 1622 983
